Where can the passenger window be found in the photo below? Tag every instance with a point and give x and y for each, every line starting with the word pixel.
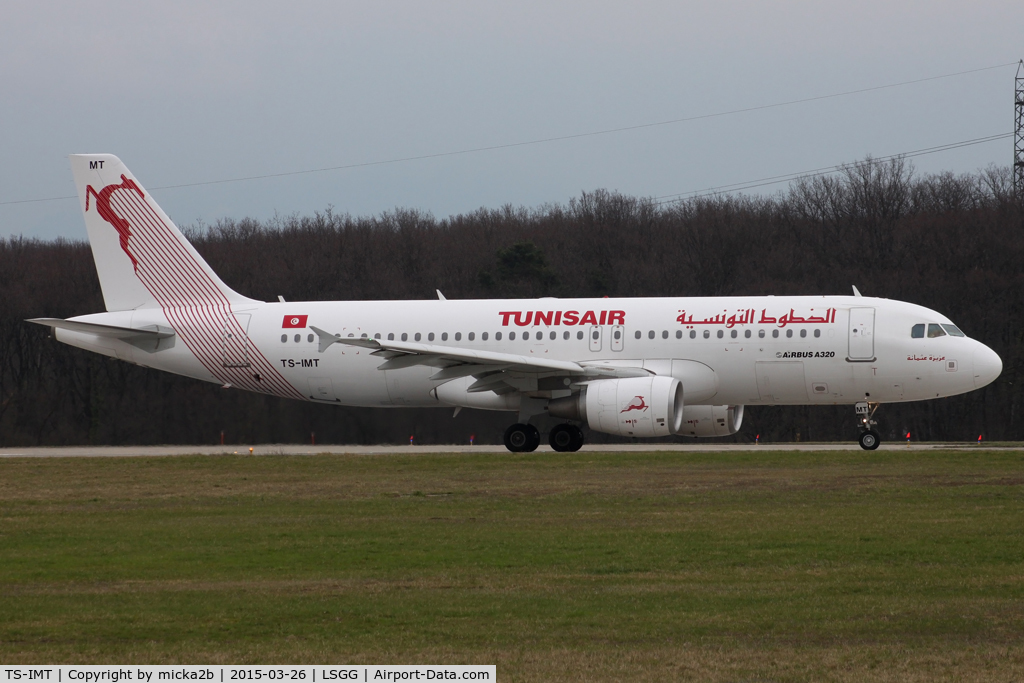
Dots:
pixel 760 334
pixel 775 334
pixel 391 336
pixel 817 333
pixel 458 336
pixel 650 335
pixel 953 330
pixel 526 335
pixel 362 336
pixel 917 331
pixel 721 334
pixel 444 336
pixel 707 334
pixel 803 333
pixel 579 334
pixel 497 336
pixel 483 336
pixel 679 334
pixel 595 334
pixel 430 337
pixel 284 337
pixel 417 337
pixel 555 334
pixel 512 336
pixel 310 338
pixel 617 334
pixel 746 333
pixel 297 338
pixel 405 336
pixel 693 334
pixel 376 336
pixel 789 334
pixel 472 336
pixel 565 335
pixel 935 331
pixel 639 334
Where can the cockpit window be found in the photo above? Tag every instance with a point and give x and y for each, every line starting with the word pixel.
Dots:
pixel 935 331
pixel 953 330
pixel 917 331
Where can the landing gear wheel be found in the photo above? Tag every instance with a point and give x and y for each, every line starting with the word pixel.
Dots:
pixel 869 440
pixel 520 438
pixel 865 410
pixel 534 438
pixel 566 438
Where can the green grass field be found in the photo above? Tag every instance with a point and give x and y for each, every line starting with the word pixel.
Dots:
pixel 781 566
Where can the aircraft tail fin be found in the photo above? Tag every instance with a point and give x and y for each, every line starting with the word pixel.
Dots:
pixel 142 259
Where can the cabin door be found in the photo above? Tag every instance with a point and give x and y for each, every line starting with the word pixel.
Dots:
pixel 862 334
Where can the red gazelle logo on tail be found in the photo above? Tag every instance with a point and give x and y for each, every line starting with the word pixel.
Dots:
pixel 105 211
pixel 635 403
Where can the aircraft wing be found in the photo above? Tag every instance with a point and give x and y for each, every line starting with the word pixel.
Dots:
pixel 454 362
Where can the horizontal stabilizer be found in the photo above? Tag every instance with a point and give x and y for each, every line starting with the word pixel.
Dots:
pixel 111 331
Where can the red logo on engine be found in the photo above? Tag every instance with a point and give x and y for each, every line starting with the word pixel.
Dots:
pixel 122 226
pixel 636 403
pixel 294 321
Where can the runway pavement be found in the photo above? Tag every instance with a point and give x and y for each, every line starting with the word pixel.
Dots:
pixel 293 449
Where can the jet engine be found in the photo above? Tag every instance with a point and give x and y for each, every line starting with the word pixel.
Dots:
pixel 711 420
pixel 635 406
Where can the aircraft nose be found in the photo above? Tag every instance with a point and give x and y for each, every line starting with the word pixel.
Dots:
pixel 987 366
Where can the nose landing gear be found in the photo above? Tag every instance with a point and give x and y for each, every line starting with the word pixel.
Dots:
pixel 868 438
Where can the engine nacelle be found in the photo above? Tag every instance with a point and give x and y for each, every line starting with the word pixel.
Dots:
pixel 635 406
pixel 711 420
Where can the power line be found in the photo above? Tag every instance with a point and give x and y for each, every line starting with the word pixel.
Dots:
pixel 814 172
pixel 539 141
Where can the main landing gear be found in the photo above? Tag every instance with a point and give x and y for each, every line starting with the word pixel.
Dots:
pixel 523 438
pixel 868 437
pixel 566 437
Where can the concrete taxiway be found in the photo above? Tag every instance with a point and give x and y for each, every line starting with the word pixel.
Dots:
pixel 294 449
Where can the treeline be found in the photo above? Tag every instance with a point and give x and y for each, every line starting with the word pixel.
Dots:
pixel 951 243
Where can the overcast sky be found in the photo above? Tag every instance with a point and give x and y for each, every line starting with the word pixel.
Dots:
pixel 188 92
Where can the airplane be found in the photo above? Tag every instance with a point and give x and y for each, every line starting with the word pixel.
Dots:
pixel 632 367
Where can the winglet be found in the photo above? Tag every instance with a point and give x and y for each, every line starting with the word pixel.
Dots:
pixel 325 338
pixel 440 296
pixel 856 292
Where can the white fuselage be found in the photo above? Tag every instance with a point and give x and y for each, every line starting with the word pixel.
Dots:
pixel 760 350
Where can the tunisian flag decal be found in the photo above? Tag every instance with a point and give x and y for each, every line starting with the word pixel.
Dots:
pixel 294 321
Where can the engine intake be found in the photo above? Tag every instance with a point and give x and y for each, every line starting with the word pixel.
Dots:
pixel 635 406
